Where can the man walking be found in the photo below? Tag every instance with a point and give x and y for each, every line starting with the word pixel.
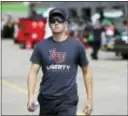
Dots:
pixel 59 57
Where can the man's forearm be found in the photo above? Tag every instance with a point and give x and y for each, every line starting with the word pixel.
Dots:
pixel 31 84
pixel 88 85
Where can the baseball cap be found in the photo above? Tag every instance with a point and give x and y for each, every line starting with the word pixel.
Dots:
pixel 58 11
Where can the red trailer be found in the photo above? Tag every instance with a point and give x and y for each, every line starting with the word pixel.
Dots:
pixel 29 32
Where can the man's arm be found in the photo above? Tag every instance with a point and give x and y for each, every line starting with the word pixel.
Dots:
pixel 32 79
pixel 89 88
pixel 87 81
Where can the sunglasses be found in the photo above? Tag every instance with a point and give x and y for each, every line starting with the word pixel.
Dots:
pixel 56 19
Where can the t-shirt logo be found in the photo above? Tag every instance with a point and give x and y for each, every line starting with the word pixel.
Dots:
pixel 58 57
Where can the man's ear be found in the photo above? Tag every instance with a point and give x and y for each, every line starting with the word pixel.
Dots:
pixel 66 26
pixel 66 22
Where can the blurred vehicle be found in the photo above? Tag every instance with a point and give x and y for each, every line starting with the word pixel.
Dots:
pixel 121 45
pixel 76 25
pixel 29 32
pixel 115 38
pixel 76 29
pixel 112 24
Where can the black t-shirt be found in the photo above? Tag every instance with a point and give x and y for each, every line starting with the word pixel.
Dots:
pixel 59 61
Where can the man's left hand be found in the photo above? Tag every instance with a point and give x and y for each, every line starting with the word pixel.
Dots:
pixel 88 108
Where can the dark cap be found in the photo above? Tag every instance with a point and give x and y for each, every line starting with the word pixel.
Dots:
pixel 58 11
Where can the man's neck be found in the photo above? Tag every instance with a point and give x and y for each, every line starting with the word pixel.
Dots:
pixel 59 37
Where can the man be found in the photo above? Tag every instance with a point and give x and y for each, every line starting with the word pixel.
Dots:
pixel 59 57
pixel 125 25
pixel 96 32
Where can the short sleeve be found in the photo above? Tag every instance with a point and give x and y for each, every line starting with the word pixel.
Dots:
pixel 36 56
pixel 82 58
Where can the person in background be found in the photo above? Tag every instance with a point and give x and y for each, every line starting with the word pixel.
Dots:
pixel 33 14
pixel 59 57
pixel 125 25
pixel 87 35
pixel 97 31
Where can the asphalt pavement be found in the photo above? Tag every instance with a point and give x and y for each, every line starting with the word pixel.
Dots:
pixel 109 82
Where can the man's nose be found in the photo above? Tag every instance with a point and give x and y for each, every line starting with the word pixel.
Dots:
pixel 56 22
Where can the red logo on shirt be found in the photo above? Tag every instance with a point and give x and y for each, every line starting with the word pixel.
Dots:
pixel 58 57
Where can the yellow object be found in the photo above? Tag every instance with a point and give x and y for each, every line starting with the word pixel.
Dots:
pixel 110 46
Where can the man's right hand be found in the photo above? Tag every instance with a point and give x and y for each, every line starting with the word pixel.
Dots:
pixel 32 78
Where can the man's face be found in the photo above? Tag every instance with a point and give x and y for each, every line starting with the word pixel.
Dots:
pixel 57 24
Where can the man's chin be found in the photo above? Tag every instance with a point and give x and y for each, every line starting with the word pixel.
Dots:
pixel 57 32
